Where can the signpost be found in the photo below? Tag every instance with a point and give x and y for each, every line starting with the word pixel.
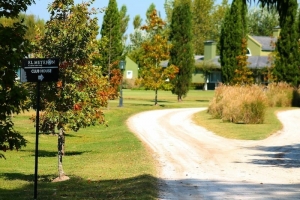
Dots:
pixel 39 70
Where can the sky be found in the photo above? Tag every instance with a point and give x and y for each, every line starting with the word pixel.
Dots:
pixel 134 7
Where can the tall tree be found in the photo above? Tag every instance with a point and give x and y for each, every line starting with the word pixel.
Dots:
pixel 124 22
pixel 31 22
pixel 110 31
pixel 287 66
pixel 217 17
pixel 261 21
pixel 182 54
pixel 232 33
pixel 169 6
pixel 202 26
pixel 137 21
pixel 75 101
pixel 153 76
pixel 13 47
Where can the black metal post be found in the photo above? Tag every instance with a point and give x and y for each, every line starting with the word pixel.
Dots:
pixel 37 137
pixel 121 96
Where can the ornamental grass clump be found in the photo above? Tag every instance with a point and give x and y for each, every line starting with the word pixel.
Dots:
pixel 280 94
pixel 239 104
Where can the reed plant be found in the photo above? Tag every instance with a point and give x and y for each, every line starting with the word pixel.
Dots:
pixel 279 94
pixel 239 104
pixel 248 103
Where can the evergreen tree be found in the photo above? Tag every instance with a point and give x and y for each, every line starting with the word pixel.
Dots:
pixel 182 54
pixel 287 65
pixel 232 33
pixel 110 31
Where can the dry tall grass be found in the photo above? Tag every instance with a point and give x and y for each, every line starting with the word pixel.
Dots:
pixel 239 104
pixel 247 104
pixel 279 94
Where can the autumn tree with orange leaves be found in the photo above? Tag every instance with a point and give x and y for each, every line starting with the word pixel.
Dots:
pixel 75 101
pixel 152 75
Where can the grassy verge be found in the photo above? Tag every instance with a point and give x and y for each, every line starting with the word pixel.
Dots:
pixel 241 131
pixel 102 162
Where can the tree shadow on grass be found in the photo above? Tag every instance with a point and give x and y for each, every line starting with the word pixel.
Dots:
pixel 140 187
pixel 144 187
pixel 43 153
pixel 280 156
pixel 202 100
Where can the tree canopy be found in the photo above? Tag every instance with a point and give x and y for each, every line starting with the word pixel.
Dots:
pixel 13 48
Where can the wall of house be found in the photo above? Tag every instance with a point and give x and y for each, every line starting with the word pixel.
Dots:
pixel 131 70
pixel 198 77
pixel 254 46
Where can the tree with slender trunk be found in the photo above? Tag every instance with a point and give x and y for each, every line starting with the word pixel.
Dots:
pixel 152 75
pixel 75 101
pixel 182 52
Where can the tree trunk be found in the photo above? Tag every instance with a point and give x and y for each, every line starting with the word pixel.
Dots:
pixel 179 98
pixel 155 99
pixel 61 152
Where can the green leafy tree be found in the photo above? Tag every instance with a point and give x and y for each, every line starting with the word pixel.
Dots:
pixel 153 76
pixel 137 21
pixel 233 31
pixel 202 23
pixel 136 39
pixel 30 21
pixel 13 48
pixel 287 65
pixel 217 17
pixel 261 21
pixel 169 6
pixel 111 31
pixel 124 22
pixel 75 101
pixel 182 54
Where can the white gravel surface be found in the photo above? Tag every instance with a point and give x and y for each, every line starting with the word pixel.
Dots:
pixel 195 163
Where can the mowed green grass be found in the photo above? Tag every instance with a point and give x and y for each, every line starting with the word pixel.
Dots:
pixel 102 162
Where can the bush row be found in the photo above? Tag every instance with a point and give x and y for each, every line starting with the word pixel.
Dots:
pixel 248 104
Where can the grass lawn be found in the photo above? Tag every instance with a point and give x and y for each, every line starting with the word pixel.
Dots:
pixel 103 162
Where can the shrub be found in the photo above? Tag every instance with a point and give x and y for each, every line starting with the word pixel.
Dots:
pixel 239 104
pixel 280 94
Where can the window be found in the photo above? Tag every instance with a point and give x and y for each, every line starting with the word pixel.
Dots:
pixel 215 77
pixel 248 52
pixel 129 74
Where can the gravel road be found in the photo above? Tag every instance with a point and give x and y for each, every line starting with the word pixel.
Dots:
pixel 195 163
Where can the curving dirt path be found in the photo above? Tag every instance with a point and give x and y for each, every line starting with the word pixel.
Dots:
pixel 197 164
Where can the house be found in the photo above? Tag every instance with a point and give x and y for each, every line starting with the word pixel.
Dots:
pixel 258 52
pixel 131 69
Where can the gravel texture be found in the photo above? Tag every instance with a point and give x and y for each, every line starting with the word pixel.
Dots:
pixel 195 163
